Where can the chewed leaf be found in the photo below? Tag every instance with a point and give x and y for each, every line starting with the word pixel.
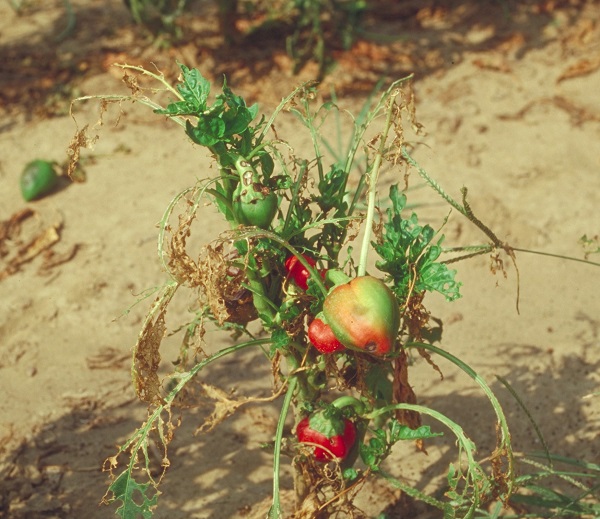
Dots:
pixel 130 493
pixel 403 432
pixel 194 88
pixel 438 277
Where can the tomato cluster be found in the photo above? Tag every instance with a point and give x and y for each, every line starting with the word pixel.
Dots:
pixel 361 314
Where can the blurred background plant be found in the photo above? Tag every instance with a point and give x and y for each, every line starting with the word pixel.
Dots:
pixel 311 29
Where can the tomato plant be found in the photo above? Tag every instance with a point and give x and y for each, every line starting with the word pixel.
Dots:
pixel 286 265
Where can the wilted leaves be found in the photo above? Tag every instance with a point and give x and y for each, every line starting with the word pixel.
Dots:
pixel 146 357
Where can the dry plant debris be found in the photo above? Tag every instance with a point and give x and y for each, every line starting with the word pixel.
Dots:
pixel 19 246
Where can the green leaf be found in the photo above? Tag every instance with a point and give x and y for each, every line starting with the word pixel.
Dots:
pixel 406 248
pixel 452 477
pixel 350 474
pixel 439 278
pixel 267 165
pixel 328 421
pixel 379 383
pixel 212 127
pixel 253 110
pixel 279 339
pixel 400 432
pixel 194 88
pixel 371 453
pixel 208 132
pixel 331 190
pixel 235 113
pixel 130 493
pixel 227 117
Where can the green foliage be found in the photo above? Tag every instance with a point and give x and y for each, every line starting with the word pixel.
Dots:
pixel 590 245
pixel 321 24
pixel 379 446
pixel 331 189
pixel 222 122
pixel 158 16
pixel 577 496
pixel 409 255
pixel 129 492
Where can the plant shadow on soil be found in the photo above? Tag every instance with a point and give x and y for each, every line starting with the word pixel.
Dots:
pixel 40 74
pixel 543 383
pixel 57 471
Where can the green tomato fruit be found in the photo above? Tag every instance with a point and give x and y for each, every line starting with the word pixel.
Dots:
pixel 38 178
pixel 255 205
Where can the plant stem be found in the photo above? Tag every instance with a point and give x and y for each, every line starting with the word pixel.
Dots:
pixel 373 178
pixel 559 256
pixel 475 473
pixel 158 77
pixel 275 510
pixel 504 440
pixel 349 401
pixel 432 183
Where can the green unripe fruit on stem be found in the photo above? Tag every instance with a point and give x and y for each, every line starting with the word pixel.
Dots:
pixel 253 203
pixel 256 207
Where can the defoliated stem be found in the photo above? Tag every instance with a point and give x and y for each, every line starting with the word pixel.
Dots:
pixel 275 510
pixel 373 178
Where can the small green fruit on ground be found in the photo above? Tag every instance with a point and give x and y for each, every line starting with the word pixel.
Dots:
pixel 38 178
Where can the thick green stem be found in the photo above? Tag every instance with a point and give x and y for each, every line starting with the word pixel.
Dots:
pixel 349 401
pixel 264 306
pixel 372 197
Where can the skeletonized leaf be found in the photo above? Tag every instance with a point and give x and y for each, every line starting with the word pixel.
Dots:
pixel 130 493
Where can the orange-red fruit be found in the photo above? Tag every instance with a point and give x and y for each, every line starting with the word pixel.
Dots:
pixel 336 442
pixel 322 337
pixel 364 315
pixel 297 271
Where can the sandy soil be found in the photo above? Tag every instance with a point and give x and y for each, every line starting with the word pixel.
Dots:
pixel 510 101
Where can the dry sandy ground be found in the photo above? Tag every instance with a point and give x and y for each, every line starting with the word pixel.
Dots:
pixel 511 104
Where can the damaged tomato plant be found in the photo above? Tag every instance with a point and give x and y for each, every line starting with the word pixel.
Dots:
pixel 339 332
